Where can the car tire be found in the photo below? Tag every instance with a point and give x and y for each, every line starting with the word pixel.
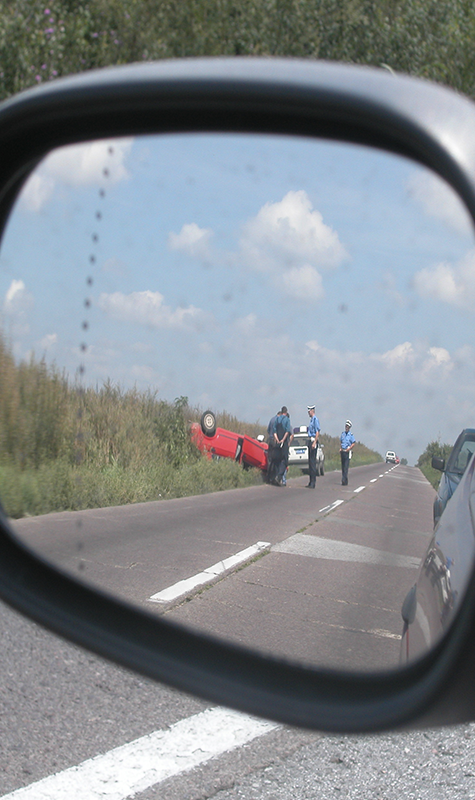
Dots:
pixel 208 423
pixel 322 470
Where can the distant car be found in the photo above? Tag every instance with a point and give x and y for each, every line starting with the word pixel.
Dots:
pixel 453 470
pixel 298 452
pixel 221 443
pixel 391 457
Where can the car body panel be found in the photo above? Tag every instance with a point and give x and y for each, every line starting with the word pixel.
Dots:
pixel 226 444
pixel 453 469
pixel 444 573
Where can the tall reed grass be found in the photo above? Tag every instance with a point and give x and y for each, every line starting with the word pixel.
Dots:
pixel 63 446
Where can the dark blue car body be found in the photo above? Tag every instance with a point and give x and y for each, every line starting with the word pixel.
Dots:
pixel 453 470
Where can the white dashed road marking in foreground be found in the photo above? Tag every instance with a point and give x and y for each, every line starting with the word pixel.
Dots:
pixel 135 767
pixel 373 480
pixel 185 586
pixel 359 489
pixel 302 544
pixel 332 506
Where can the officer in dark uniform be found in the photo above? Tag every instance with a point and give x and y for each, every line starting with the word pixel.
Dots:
pixel 283 435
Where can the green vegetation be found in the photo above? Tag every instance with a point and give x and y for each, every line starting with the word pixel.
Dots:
pixel 427 38
pixel 424 461
pixel 361 454
pixel 65 447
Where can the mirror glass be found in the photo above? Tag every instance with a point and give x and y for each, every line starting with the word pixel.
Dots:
pixel 147 281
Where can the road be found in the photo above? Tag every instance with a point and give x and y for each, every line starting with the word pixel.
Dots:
pixel 62 707
pixel 327 589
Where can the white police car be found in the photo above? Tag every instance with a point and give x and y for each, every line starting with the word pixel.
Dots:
pixel 298 451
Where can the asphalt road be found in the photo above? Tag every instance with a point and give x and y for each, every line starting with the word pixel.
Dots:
pixel 62 706
pixel 328 590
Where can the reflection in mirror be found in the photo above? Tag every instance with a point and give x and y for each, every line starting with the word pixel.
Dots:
pixel 148 281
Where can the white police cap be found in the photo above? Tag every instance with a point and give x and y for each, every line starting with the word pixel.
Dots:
pixel 348 422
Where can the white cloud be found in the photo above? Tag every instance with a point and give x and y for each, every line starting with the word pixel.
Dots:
pixel 303 283
pixel 287 240
pixel 48 341
pixel 449 283
pixel 400 355
pixel 439 200
pixel 142 372
pixel 291 234
pixel 148 308
pixel 246 326
pixel 101 162
pixel 17 306
pixel 37 191
pixel 192 240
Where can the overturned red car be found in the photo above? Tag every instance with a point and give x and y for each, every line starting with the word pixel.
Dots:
pixel 219 442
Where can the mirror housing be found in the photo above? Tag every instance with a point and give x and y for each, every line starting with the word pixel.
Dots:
pixel 438 463
pixel 421 121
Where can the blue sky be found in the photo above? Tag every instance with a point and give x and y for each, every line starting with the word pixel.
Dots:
pixel 250 271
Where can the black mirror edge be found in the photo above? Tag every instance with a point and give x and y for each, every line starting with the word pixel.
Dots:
pixel 422 121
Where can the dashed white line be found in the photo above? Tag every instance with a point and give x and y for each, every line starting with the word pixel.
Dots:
pixel 187 585
pixel 331 506
pixel 145 762
pixel 373 480
pixel 359 489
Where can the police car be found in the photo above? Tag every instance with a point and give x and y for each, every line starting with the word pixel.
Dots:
pixel 298 451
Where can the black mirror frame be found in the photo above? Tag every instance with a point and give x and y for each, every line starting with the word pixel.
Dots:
pixel 421 121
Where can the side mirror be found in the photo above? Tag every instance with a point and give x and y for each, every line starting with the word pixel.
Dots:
pixel 146 211
pixel 438 463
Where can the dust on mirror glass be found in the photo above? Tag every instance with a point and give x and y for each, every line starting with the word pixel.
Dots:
pixel 163 298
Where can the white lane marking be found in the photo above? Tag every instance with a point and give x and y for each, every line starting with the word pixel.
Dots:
pixel 381 476
pixel 373 480
pixel 145 762
pixel 302 544
pixel 385 634
pixel 187 585
pixel 380 632
pixel 359 489
pixel 331 506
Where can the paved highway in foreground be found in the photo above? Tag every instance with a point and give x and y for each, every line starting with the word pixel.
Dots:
pixel 63 708
pixel 335 563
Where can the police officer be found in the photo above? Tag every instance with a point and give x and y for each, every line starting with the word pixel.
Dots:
pixel 271 450
pixel 283 435
pixel 313 432
pixel 347 443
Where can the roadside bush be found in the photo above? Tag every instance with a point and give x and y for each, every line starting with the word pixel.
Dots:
pixel 434 448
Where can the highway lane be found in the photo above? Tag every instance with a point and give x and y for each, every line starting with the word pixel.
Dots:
pixel 330 594
pixel 61 705
pixel 329 591
pixel 136 550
